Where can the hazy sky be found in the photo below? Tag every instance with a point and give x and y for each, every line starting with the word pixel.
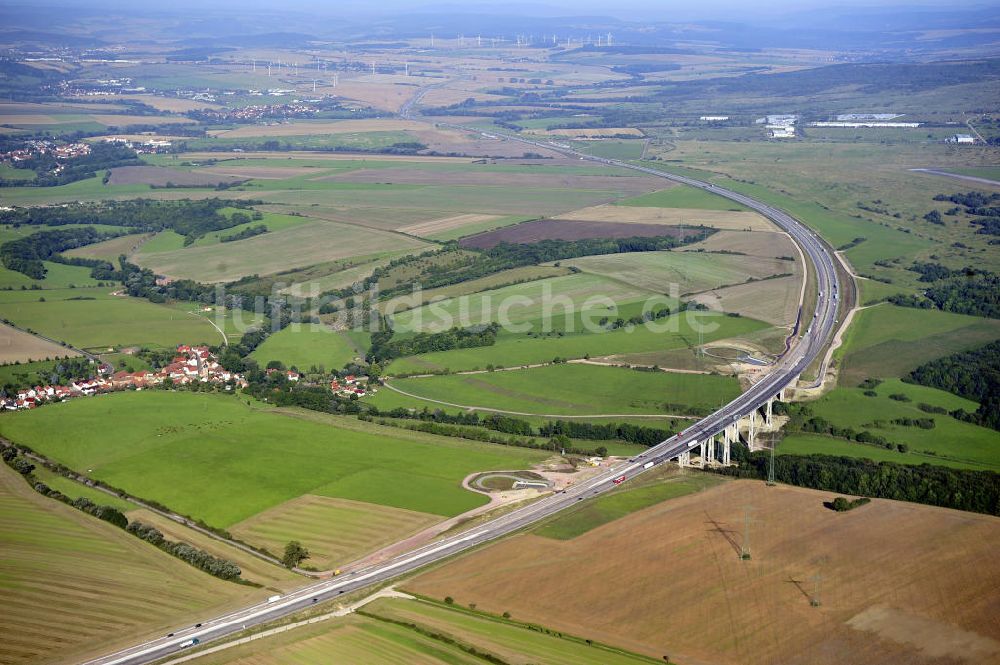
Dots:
pixel 638 9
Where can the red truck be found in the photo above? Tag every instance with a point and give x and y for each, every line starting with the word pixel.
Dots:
pixel 619 480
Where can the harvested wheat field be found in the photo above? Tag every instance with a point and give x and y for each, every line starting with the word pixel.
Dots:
pixel 592 133
pixel 311 127
pixel 260 172
pixel 433 226
pixel 626 184
pixel 18 346
pixel 916 585
pixel 335 531
pixel 775 301
pixel 110 249
pixel 753 243
pixel 161 176
pixel 720 219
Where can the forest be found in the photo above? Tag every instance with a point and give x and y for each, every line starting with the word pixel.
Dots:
pixel 973 375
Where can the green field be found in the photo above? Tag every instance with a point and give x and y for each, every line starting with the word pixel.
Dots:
pixel 682 196
pixel 106 321
pixel 889 341
pixel 216 458
pixel 294 246
pixel 564 297
pixel 430 635
pixel 679 332
pixel 609 507
pixel 988 172
pixel 950 442
pixel 72 583
pixel 57 276
pixel 273 221
pixel 574 390
pixel 610 149
pixel 689 272
pixel 75 490
pixel 307 345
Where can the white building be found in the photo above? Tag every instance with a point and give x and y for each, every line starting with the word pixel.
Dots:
pixel 714 118
pixel 961 138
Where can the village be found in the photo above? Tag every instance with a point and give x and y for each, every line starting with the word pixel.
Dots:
pixel 33 148
pixel 192 364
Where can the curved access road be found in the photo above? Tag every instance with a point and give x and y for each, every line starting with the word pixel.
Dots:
pixel 784 373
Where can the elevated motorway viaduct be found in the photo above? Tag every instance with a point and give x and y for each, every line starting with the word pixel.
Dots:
pixel 784 374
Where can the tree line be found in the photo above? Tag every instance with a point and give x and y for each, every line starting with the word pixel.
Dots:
pixel 962 489
pixel 386 345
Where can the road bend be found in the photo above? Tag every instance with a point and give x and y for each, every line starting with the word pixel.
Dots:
pixel 784 373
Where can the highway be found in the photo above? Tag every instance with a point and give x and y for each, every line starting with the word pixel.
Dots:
pixel 785 371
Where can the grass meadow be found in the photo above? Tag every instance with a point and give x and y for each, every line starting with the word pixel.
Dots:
pixel 218 459
pixel 94 319
pixel 889 341
pixel 308 345
pixel 951 442
pixel 576 390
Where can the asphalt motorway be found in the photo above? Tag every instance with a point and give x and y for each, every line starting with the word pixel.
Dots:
pixel 785 372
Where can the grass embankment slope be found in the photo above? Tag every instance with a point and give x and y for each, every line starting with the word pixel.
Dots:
pixel 72 583
pixel 913 587
pixel 216 458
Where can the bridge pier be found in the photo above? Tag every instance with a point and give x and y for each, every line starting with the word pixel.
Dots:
pixel 752 430
pixel 684 459
pixel 702 453
pixel 711 450
pixel 725 449
pixel 768 412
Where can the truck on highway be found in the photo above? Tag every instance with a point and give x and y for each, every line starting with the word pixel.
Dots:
pixel 190 643
pixel 619 480
pixel 271 599
pixel 648 465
